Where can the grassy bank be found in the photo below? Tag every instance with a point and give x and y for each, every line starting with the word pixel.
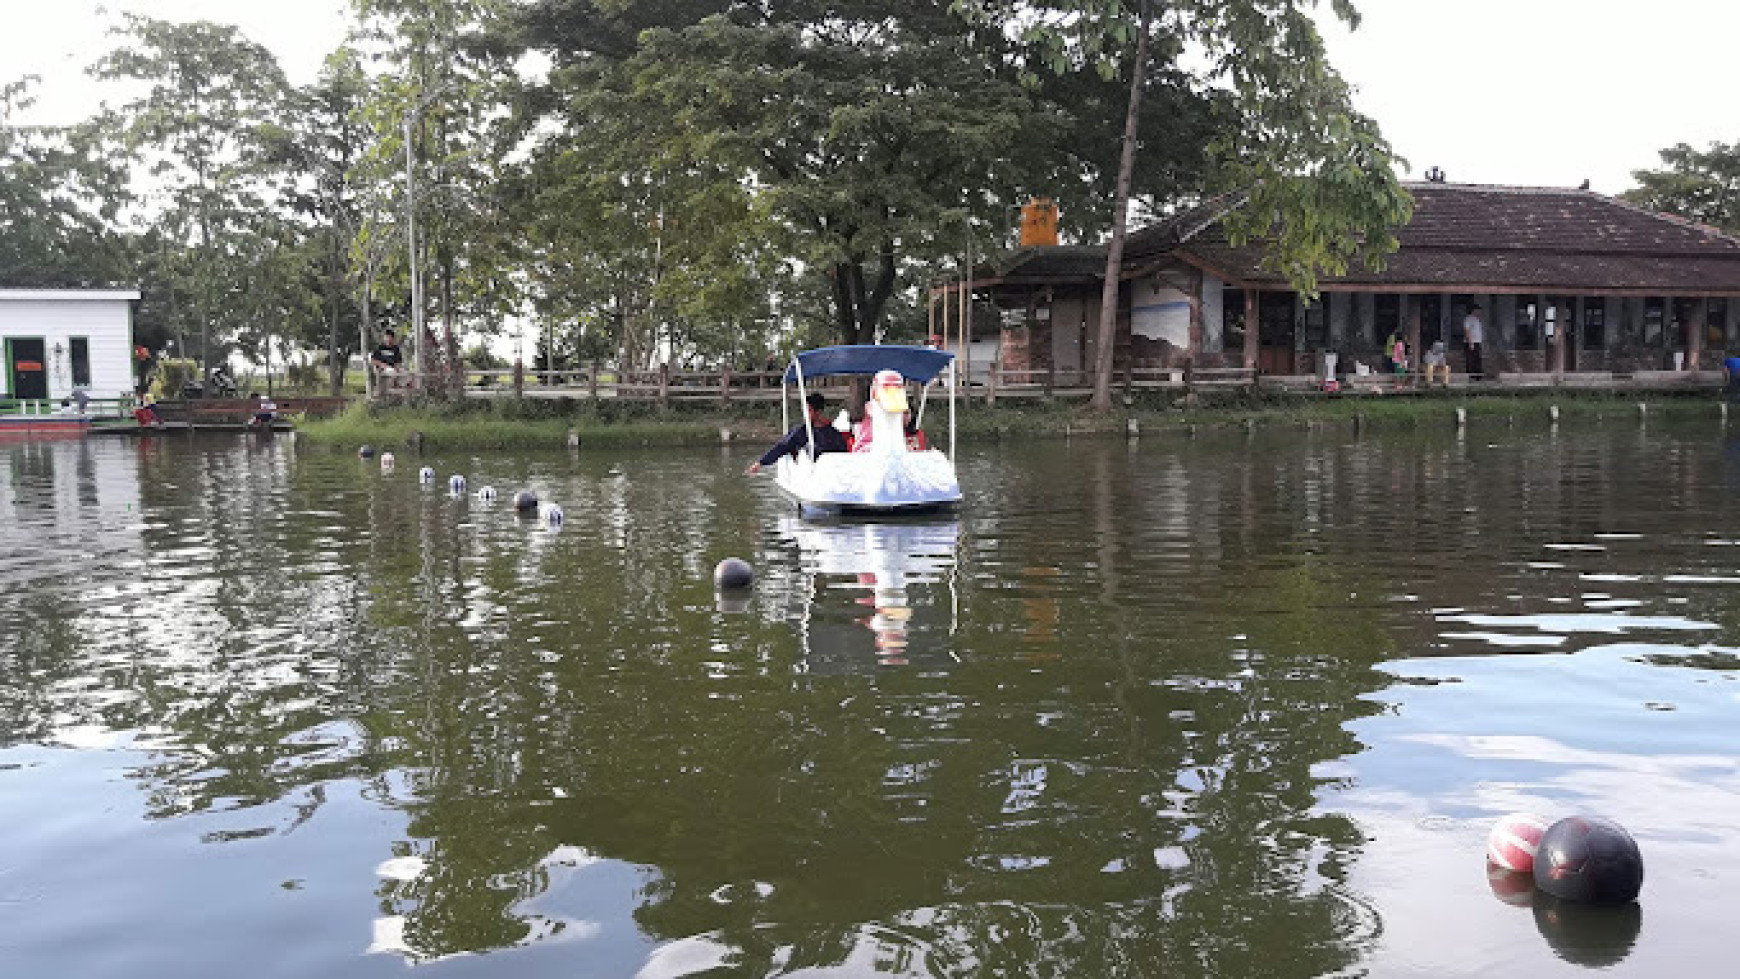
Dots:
pixel 547 425
pixel 490 426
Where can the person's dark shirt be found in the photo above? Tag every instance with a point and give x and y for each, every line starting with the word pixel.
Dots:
pixel 828 439
pixel 387 354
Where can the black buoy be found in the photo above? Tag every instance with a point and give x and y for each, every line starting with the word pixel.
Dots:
pixel 733 573
pixel 1589 860
pixel 526 501
pixel 366 452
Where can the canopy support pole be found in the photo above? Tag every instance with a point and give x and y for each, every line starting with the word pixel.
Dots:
pixel 803 400
pixel 952 410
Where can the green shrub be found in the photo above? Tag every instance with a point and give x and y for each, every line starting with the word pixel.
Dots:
pixel 172 376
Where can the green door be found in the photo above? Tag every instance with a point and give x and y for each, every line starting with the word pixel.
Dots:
pixel 24 358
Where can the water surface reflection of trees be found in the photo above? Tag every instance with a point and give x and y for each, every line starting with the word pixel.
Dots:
pixel 1158 648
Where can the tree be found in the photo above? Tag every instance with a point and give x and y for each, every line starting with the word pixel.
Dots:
pixel 320 143
pixel 1702 186
pixel 58 195
pixel 197 132
pixel 1316 177
pixel 450 88
pixel 871 130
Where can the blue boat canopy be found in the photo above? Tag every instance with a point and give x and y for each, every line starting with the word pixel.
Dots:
pixel 920 364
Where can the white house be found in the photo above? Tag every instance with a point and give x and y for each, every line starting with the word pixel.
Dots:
pixel 57 340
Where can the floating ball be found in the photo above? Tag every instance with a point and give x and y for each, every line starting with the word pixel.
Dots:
pixel 1513 887
pixel 456 484
pixel 733 573
pixel 387 460
pixel 365 452
pixel 526 501
pixel 1589 860
pixel 426 474
pixel 553 515
pixel 487 494
pixel 1514 839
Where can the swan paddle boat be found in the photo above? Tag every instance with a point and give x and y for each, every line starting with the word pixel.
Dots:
pixel 885 473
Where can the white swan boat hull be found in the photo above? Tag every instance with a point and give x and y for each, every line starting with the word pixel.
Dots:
pixel 871 482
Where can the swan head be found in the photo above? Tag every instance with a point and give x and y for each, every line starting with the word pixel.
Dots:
pixel 888 392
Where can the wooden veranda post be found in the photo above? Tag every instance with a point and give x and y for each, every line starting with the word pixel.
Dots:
pixel 1695 320
pixel 1195 313
pixel 1414 313
pixel 1251 328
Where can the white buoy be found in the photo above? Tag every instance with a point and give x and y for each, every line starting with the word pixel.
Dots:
pixel 1462 418
pixel 426 474
pixel 456 484
pixel 553 515
pixel 486 494
pixel 1553 413
pixel 387 462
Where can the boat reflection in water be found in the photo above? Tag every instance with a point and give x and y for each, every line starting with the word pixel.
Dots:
pixel 875 592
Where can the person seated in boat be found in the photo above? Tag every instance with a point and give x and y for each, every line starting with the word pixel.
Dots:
pixel 887 391
pixel 828 438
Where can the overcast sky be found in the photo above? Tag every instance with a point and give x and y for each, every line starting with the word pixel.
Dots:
pixel 1538 92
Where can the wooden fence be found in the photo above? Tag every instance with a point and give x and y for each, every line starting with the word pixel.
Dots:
pixel 725 387
pixel 667 386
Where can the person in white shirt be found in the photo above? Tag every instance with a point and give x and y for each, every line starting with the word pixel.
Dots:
pixel 1474 340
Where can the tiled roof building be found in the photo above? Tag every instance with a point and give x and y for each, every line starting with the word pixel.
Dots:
pixel 1565 280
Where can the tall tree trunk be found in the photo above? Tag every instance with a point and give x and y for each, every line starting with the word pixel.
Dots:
pixel 845 303
pixel 1108 326
pixel 871 312
pixel 366 329
pixel 334 369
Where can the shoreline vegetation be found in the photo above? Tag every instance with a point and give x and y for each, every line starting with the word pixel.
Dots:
pixel 556 425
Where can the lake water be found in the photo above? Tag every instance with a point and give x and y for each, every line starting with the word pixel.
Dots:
pixel 1236 706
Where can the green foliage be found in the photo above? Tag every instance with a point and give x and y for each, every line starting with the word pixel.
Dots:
pixel 1317 178
pixel 210 95
pixel 173 374
pixel 1699 185
pixel 58 193
pixel 854 139
pixel 701 181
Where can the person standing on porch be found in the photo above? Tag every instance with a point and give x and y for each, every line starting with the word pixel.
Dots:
pixel 1474 340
